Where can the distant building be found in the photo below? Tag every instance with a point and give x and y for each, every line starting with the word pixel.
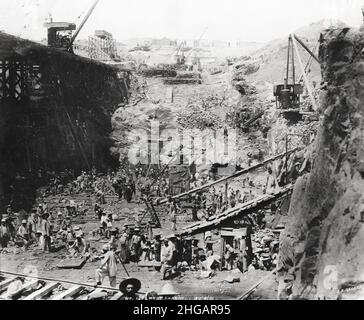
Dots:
pixel 164 42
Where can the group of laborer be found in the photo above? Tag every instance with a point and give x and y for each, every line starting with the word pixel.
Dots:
pixel 166 253
pixel 37 228
pixel 170 253
pixel 21 230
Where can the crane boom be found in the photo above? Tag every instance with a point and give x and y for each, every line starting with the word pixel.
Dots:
pixel 82 24
pixel 306 48
pixel 198 41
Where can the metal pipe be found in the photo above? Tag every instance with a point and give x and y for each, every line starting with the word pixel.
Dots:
pixel 306 48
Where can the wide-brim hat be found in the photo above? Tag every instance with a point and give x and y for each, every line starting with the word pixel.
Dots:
pixel 135 282
pixel 168 290
pixel 171 236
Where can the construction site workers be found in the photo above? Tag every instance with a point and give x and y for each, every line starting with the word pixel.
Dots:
pixel 271 183
pixel 229 257
pixel 22 235
pixel 130 288
pixel 32 224
pixel 46 233
pixel 108 267
pixel 4 234
pixel 156 247
pixel 124 246
pixel 79 246
pixel 135 246
pixel 168 257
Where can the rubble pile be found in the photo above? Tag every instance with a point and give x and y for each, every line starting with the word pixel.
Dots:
pixel 182 81
pixel 306 103
pixel 319 248
pixel 158 72
pixel 246 68
pixel 266 249
pixel 201 114
pixel 239 81
pixel 196 117
pixel 299 135
pixel 188 75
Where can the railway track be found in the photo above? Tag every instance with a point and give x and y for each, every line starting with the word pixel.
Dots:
pixel 22 287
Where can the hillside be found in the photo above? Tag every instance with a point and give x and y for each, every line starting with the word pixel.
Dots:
pixel 272 57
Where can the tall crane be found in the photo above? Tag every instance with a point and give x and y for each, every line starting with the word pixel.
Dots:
pixel 288 94
pixel 87 16
pixel 60 33
pixel 198 41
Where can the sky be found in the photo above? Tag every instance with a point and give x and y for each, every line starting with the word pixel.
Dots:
pixel 229 20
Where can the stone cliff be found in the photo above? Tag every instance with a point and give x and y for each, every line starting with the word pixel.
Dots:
pixel 321 250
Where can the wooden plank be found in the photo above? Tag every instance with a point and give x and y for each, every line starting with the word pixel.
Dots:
pixel 233 212
pixel 149 264
pixel 236 174
pixel 6 282
pixel 169 95
pixel 71 264
pixel 68 293
pixel 116 296
pixel 37 295
pixel 25 287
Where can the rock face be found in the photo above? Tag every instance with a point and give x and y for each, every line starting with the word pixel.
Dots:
pixel 321 250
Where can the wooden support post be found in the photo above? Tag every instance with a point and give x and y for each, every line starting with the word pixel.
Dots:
pixel 222 250
pixel 226 192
